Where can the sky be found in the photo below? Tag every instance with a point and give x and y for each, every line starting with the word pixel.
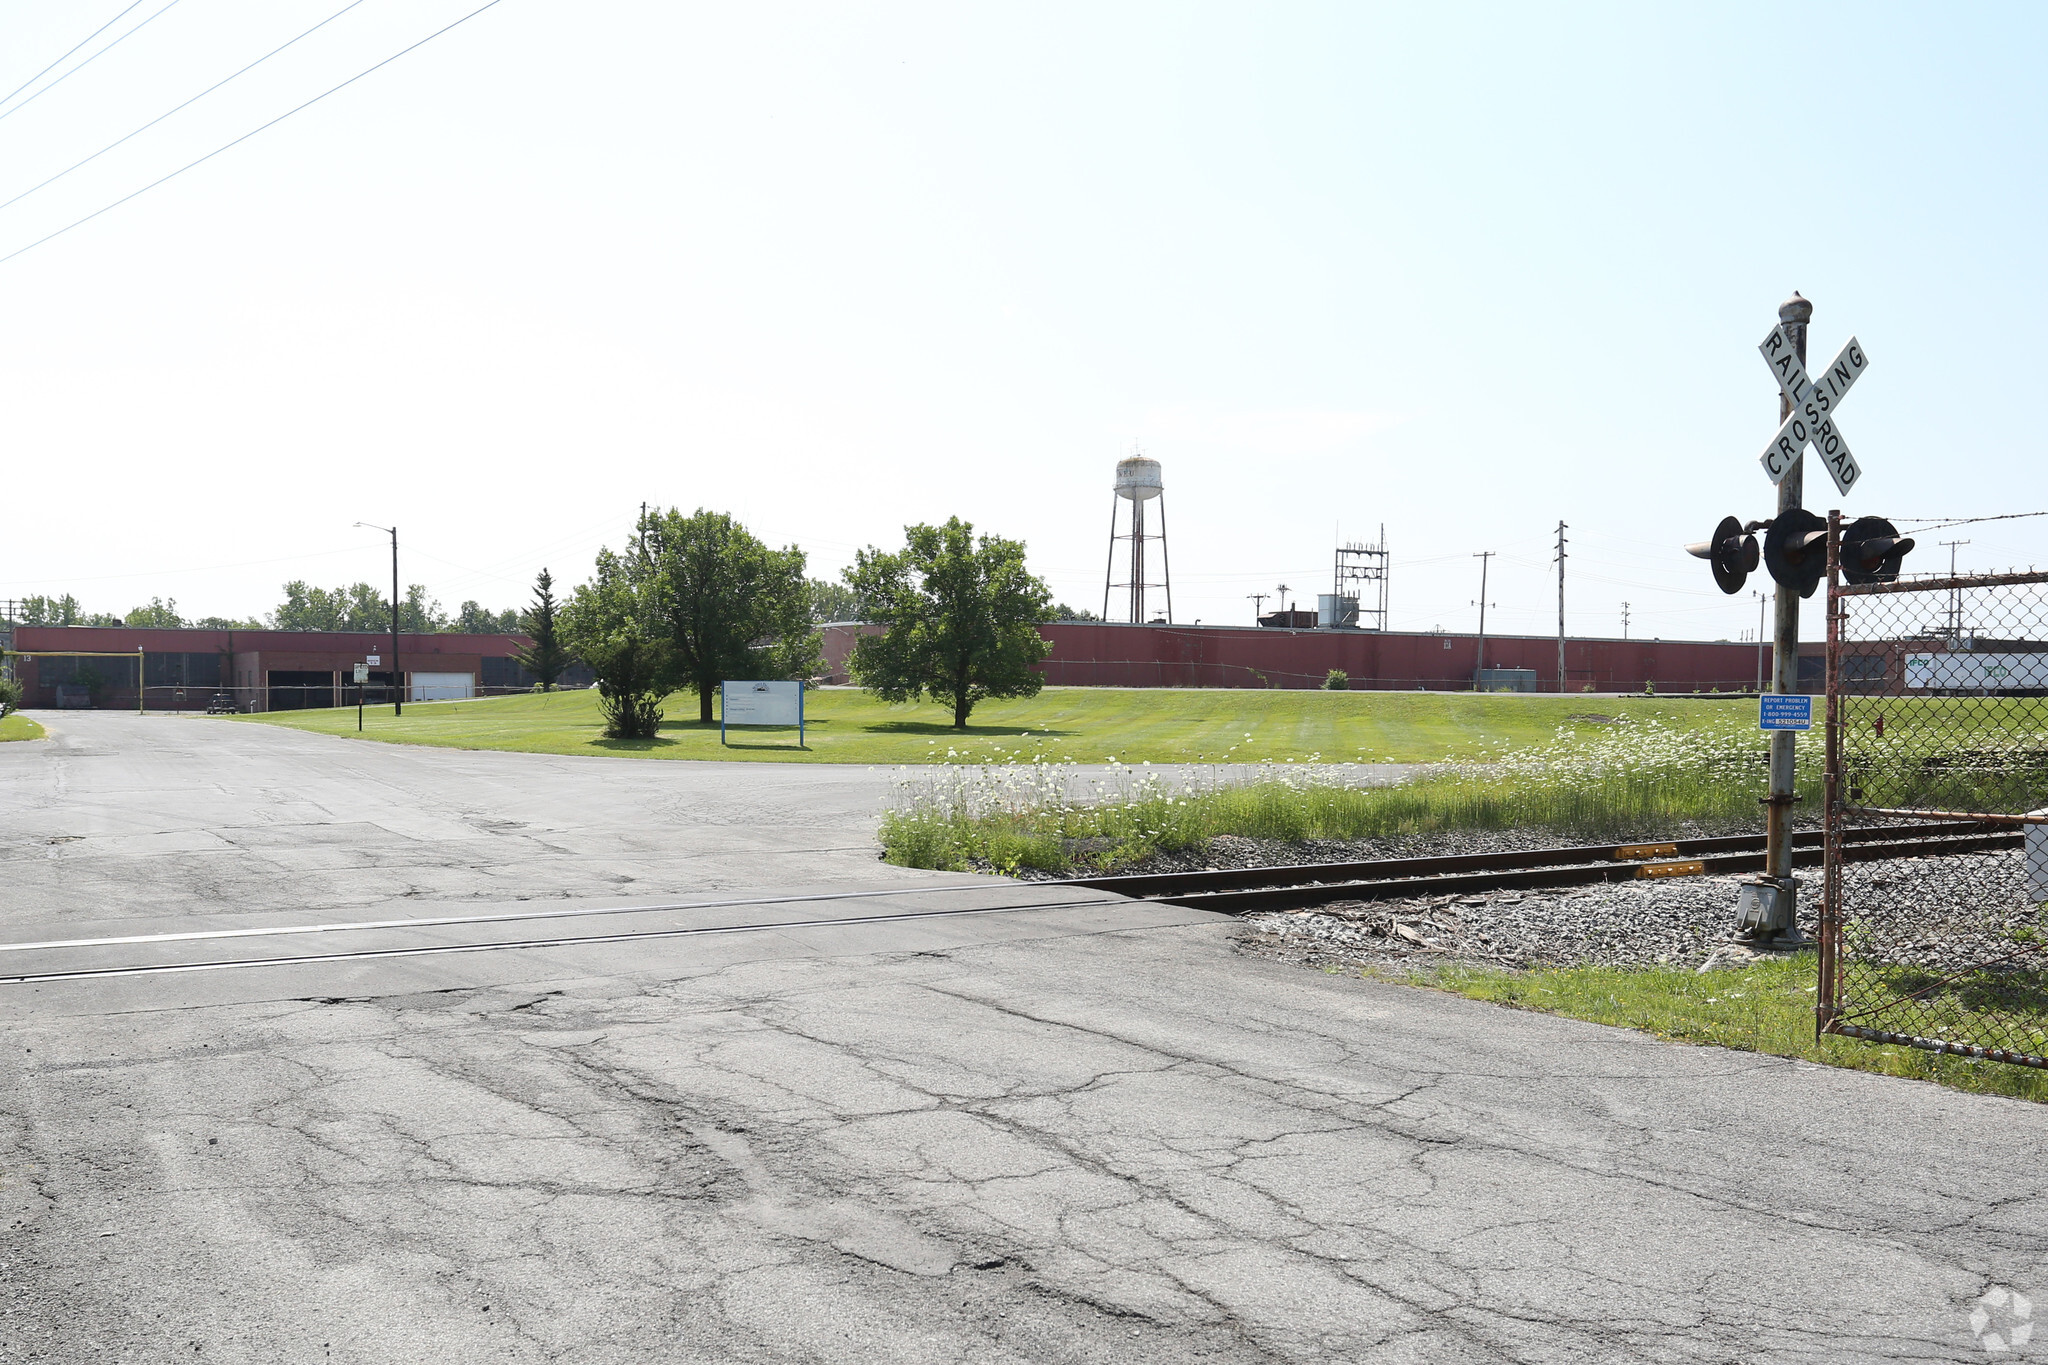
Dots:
pixel 1459 270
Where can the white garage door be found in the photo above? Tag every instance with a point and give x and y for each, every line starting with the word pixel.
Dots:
pixel 443 686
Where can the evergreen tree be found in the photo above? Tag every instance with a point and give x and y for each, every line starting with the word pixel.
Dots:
pixel 544 658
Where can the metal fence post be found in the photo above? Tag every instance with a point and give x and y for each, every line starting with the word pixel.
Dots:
pixel 1824 1003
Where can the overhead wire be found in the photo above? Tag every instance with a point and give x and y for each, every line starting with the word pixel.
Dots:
pixel 9 203
pixel 89 60
pixel 60 61
pixel 490 4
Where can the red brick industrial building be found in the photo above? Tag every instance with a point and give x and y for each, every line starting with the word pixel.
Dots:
pixel 1113 654
pixel 261 670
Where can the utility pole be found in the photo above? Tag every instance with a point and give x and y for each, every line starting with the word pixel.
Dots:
pixel 1624 620
pixel 1285 606
pixel 397 678
pixel 1560 605
pixel 1762 600
pixel 1258 604
pixel 1795 313
pixel 1955 595
pixel 1485 558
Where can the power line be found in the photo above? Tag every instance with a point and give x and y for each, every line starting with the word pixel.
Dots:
pixel 161 117
pixel 54 65
pixel 89 60
pixel 251 133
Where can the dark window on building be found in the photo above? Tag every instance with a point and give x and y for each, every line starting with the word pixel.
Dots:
pixel 181 670
pixel 295 690
pixel 505 674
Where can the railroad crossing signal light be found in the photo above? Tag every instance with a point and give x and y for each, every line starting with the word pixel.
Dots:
pixel 1796 550
pixel 1732 553
pixel 1872 549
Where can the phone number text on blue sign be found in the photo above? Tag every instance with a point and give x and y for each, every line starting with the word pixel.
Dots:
pixel 1785 712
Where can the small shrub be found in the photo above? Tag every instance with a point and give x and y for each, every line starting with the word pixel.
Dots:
pixel 1337 680
pixel 10 697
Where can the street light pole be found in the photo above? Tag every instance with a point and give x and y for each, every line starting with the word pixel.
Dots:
pixel 397 678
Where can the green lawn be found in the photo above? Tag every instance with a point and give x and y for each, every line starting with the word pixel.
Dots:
pixel 18 726
pixel 1083 724
pixel 1765 1007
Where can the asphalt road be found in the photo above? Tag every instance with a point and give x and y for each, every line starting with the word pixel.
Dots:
pixel 1086 1131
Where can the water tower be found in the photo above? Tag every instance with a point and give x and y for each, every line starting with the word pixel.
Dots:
pixel 1137 482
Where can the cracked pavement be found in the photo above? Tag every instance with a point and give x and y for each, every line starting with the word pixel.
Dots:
pixel 1079 1135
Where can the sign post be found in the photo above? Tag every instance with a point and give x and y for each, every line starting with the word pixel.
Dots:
pixel 761 703
pixel 1806 416
pixel 362 677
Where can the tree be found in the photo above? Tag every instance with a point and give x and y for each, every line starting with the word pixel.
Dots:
pixel 961 618
pixel 731 607
pixel 158 615
pixel 226 623
pixel 832 601
pixel 544 658
pixel 607 623
pixel 37 610
pixel 1063 612
pixel 362 607
pixel 307 608
pixel 421 615
pixel 100 618
pixel 473 619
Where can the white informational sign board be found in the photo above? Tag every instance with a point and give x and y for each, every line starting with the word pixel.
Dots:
pixel 761 703
pixel 1971 672
pixel 362 674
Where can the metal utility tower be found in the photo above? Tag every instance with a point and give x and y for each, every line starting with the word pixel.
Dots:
pixel 1137 482
pixel 1360 582
pixel 1955 596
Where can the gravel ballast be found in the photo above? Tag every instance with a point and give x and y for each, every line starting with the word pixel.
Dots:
pixel 1943 913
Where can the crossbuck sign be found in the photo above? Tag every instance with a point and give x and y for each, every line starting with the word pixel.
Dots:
pixel 1813 409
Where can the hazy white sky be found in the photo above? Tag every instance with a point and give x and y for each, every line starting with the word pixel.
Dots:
pixel 1463 270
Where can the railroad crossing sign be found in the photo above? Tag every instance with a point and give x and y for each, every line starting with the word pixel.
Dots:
pixel 1813 408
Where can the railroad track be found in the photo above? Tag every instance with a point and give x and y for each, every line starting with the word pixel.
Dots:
pixel 1236 891
pixel 1239 891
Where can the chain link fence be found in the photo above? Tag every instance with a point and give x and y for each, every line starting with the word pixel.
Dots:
pixel 1937 711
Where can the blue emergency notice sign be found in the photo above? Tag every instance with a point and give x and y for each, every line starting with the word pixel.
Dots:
pixel 1789 711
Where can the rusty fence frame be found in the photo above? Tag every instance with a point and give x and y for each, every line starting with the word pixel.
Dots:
pixel 1830 1008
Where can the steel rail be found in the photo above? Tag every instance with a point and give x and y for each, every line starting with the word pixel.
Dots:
pixel 1385 869
pixel 1247 890
pixel 564 941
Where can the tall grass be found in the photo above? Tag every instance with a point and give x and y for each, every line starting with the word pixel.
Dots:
pixel 1640 779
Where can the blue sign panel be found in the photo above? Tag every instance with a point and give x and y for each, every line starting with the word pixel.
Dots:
pixel 1791 711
